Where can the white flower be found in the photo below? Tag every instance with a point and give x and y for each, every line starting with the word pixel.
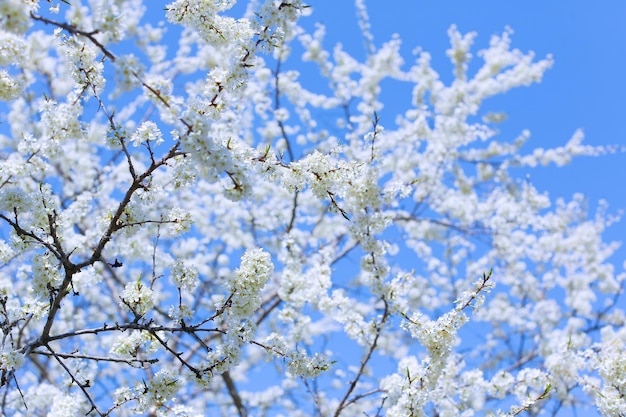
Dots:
pixel 179 221
pixel 146 132
pixel 67 406
pixel 501 384
pixel 46 275
pixel 184 276
pixel 137 297
pixel 6 252
pixel 15 199
pixel 130 345
pixel 83 64
pixel 11 360
pixel 59 121
pixel 248 281
pixel 129 72
pixel 180 312
pixel 10 87
pixel 436 336
pixel 14 15
pixel 164 385
pixel 300 364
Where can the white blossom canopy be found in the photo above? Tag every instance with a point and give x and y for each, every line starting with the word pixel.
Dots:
pixel 183 232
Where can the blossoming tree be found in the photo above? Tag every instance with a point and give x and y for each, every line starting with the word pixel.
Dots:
pixel 181 236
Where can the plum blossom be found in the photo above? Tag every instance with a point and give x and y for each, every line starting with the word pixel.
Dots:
pixel 147 131
pixel 247 282
pixel 137 297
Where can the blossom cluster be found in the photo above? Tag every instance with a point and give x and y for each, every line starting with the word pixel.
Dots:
pixel 137 297
pixel 247 283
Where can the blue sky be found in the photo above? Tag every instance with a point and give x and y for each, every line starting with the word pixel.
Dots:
pixel 585 88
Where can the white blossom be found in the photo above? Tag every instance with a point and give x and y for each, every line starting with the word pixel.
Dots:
pixel 11 360
pixel 247 282
pixel 184 276
pixel 147 132
pixel 133 344
pixel 137 297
